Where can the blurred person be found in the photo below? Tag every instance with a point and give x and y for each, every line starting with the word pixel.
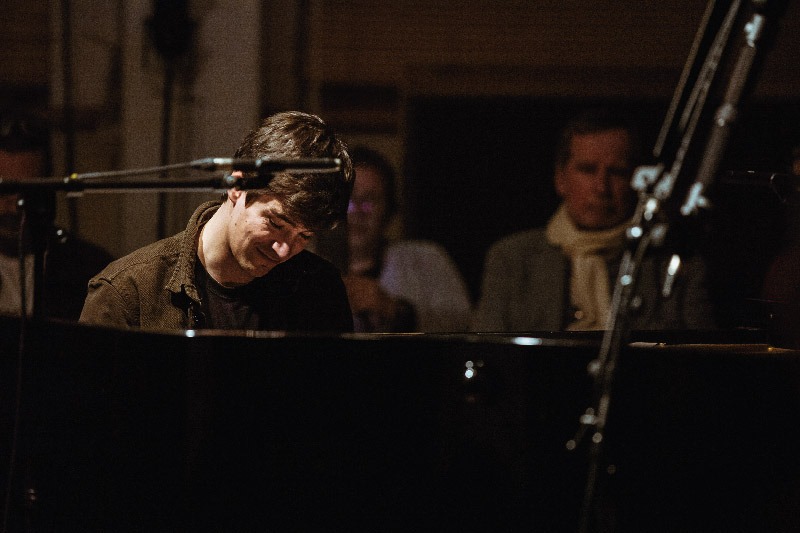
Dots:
pixel 396 285
pixel 561 277
pixel 241 263
pixel 69 261
pixel 781 286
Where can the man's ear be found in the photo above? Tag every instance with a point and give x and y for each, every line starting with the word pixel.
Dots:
pixel 233 193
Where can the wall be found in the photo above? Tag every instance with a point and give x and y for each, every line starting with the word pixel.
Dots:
pixel 119 76
pixel 113 102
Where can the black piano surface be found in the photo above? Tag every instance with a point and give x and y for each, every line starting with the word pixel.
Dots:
pixel 244 431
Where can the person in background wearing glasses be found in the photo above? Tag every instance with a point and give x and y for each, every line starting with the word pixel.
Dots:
pixel 399 285
pixel 69 261
pixel 241 263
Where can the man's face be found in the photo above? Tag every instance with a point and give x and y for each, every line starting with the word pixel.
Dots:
pixel 595 181
pixel 261 236
pixel 15 166
pixel 366 214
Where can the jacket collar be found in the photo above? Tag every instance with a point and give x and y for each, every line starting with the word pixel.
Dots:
pixel 182 279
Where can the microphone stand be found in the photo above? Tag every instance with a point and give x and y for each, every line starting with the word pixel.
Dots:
pixel 654 185
pixel 37 201
pixel 37 195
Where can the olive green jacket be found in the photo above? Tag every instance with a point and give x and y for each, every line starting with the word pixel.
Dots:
pixel 155 287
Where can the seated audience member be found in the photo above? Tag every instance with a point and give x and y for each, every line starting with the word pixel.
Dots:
pixel 781 288
pixel 69 261
pixel 400 285
pixel 241 263
pixel 561 277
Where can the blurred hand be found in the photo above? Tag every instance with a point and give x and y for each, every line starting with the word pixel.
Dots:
pixel 367 296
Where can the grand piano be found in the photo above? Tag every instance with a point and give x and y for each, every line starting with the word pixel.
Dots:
pixel 269 431
pixel 111 430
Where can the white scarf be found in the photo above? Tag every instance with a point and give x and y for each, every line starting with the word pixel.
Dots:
pixel 588 252
pixel 9 284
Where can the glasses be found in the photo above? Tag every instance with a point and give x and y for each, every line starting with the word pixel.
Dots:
pixel 362 206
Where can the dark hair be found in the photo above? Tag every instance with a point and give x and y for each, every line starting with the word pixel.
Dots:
pixel 593 121
pixel 367 157
pixel 316 200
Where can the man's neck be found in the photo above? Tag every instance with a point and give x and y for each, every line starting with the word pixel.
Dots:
pixel 214 253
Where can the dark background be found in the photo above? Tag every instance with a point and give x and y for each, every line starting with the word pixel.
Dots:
pixel 137 431
pixel 481 168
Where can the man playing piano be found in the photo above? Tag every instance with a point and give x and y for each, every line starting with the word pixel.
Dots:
pixel 241 263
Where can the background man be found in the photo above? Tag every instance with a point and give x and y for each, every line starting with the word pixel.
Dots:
pixel 241 263
pixel 560 277
pixel 400 284
pixel 69 261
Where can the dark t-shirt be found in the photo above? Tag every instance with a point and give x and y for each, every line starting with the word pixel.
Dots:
pixel 303 294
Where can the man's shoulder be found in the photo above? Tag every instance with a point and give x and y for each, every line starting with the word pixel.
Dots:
pixel 66 250
pixel 146 259
pixel 415 247
pixel 64 240
pixel 526 241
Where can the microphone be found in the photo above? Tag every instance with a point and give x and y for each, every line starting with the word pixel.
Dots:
pixel 268 165
pixel 264 168
pixel 116 180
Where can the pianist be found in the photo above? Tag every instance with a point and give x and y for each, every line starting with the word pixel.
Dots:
pixel 241 263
